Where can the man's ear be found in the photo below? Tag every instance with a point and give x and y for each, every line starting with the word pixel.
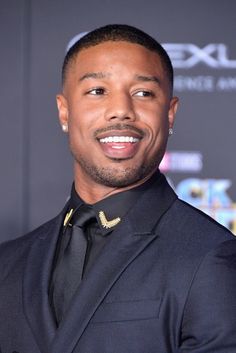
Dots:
pixel 62 111
pixel 172 111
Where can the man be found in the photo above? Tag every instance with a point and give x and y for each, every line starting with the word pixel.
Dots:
pixel 153 274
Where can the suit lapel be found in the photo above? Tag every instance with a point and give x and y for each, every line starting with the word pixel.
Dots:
pixel 125 244
pixel 36 280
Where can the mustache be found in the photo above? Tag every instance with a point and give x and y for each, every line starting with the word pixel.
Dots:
pixel 119 127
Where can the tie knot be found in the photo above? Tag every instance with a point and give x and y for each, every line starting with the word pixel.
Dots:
pixel 83 215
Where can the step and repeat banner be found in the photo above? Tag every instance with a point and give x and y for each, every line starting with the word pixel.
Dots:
pixel 203 174
pixel 36 166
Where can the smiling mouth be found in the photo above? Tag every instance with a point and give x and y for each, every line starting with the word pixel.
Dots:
pixel 119 139
pixel 119 147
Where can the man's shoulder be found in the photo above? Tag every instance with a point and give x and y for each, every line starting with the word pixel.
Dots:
pixel 179 220
pixel 15 246
pixel 186 236
pixel 192 222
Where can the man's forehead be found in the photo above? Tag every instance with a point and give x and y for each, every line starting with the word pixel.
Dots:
pixel 107 75
pixel 100 60
pixel 110 54
pixel 105 46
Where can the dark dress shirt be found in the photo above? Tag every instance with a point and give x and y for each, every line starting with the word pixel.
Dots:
pixel 114 206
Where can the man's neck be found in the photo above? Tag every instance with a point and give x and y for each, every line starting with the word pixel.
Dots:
pixel 92 192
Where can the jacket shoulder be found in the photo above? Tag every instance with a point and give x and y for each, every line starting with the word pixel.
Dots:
pixel 190 224
pixel 202 219
pixel 14 248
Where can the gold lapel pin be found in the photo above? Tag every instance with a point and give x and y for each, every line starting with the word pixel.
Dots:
pixel 67 217
pixel 108 224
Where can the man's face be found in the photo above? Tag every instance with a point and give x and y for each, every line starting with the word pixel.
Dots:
pixel 118 107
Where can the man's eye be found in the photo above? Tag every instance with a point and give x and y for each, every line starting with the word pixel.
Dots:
pixel 96 91
pixel 144 94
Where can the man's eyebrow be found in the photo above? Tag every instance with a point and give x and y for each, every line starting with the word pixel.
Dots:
pixel 98 75
pixel 148 78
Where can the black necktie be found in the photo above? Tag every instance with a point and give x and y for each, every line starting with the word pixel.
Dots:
pixel 69 271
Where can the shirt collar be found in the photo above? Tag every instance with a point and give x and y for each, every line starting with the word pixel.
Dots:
pixel 114 206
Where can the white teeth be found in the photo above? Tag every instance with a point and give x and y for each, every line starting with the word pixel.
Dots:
pixel 130 139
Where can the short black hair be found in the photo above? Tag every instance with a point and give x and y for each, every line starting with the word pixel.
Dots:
pixel 118 32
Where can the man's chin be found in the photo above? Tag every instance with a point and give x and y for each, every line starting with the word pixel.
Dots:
pixel 117 175
pixel 116 178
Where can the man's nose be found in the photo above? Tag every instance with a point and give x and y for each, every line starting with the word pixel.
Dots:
pixel 120 107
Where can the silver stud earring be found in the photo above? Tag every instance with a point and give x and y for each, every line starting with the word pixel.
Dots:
pixel 65 128
pixel 171 131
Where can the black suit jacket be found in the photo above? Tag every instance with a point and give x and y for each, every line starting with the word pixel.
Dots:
pixel 165 282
